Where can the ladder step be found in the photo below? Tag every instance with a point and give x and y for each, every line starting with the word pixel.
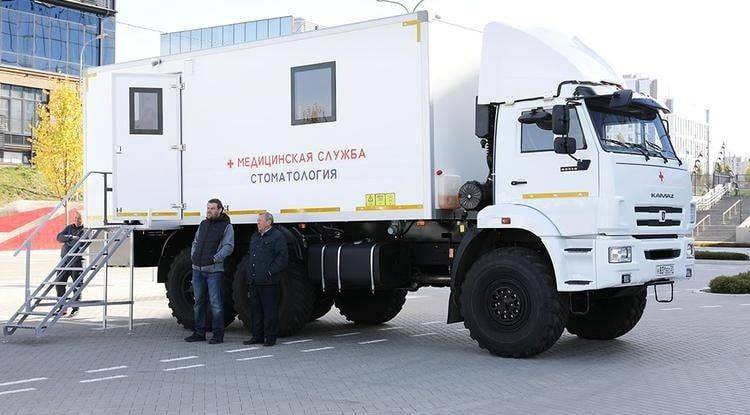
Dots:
pixel 34 313
pixel 96 240
pixel 69 254
pixel 58 283
pixel 45 298
pixel 70 268
pixel 20 326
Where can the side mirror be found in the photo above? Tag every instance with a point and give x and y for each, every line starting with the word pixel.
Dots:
pixel 565 145
pixel 560 120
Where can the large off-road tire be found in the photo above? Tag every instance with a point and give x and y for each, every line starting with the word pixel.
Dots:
pixel 179 287
pixel 510 303
pixel 297 298
pixel 609 318
pixel 363 307
pixel 322 305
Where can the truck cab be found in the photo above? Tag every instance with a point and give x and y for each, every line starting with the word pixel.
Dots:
pixel 585 206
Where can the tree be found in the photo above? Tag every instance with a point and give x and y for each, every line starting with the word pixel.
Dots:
pixel 58 138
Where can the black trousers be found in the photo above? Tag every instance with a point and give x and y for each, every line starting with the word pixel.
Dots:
pixel 63 276
pixel 264 307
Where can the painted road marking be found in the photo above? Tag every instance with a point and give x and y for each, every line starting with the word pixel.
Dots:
pixel 346 334
pixel 424 334
pixel 298 341
pixel 463 329
pixel 317 350
pixel 182 367
pixel 18 382
pixel 744 304
pixel 670 309
pixel 17 391
pixel 101 379
pixel 120 327
pixel 390 328
pixel 410 297
pixel 711 306
pixel 106 369
pixel 178 359
pixel 246 349
pixel 373 341
pixel 430 322
pixel 254 357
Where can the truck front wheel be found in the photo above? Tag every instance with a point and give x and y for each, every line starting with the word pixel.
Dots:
pixel 179 287
pixel 297 298
pixel 609 318
pixel 364 307
pixel 510 303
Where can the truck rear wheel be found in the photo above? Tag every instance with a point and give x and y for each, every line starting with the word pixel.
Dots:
pixel 364 307
pixel 510 303
pixel 297 298
pixel 322 305
pixel 179 287
pixel 609 318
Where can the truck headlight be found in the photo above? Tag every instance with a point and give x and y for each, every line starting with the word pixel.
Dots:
pixel 620 254
pixel 690 251
pixel 692 213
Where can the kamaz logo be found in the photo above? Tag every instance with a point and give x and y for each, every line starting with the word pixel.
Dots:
pixel 662 195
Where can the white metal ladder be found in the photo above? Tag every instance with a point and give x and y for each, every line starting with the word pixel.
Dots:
pixel 42 309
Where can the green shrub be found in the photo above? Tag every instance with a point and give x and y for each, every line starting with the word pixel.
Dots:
pixel 732 256
pixel 735 284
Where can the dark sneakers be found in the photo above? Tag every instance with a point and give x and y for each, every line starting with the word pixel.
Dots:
pixel 216 339
pixel 252 341
pixel 195 337
pixel 269 342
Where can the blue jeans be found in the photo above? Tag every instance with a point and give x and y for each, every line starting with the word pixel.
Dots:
pixel 211 281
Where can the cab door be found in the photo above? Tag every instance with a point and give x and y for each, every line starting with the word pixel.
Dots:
pixel 532 174
pixel 147 146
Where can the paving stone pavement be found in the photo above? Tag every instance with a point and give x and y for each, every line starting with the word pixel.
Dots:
pixel 688 356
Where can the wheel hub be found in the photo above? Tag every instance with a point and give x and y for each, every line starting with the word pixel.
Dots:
pixel 506 304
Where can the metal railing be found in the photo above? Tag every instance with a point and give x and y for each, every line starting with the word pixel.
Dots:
pixel 63 203
pixel 701 225
pixel 711 198
pixel 736 208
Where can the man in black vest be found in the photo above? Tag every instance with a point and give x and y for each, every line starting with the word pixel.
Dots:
pixel 213 243
pixel 268 258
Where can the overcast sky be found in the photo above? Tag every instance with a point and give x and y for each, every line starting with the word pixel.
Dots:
pixel 698 49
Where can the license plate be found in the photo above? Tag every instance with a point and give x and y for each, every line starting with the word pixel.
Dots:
pixel 665 270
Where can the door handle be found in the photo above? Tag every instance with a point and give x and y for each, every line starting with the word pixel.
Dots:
pixel 517 182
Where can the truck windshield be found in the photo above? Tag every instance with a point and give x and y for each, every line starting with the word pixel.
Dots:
pixel 632 129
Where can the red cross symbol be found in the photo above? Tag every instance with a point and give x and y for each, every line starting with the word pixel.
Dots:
pixel 230 163
pixel 661 176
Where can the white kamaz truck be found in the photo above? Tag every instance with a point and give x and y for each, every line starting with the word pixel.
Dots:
pixel 396 154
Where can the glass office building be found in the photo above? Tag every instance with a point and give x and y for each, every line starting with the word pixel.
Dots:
pixel 48 37
pixel 42 42
pixel 232 34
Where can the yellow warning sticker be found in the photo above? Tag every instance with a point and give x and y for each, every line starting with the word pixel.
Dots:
pixel 380 199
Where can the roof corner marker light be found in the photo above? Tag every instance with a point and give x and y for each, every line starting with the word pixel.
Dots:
pixel 505 221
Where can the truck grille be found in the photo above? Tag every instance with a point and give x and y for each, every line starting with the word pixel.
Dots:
pixel 658 216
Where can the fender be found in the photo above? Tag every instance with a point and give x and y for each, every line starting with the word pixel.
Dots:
pixel 525 220
pixel 519 217
pixel 294 241
pixel 175 243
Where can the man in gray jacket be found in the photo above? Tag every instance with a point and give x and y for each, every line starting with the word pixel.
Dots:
pixel 213 243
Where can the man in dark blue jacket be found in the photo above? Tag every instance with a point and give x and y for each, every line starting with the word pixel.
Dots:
pixel 268 259
pixel 213 243
pixel 68 237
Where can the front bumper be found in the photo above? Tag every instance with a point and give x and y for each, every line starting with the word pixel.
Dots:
pixel 583 264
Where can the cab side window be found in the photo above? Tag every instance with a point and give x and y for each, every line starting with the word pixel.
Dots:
pixel 538 137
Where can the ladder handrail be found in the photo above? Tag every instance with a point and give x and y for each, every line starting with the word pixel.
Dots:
pixel 64 201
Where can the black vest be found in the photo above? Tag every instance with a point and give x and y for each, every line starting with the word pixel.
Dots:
pixel 208 238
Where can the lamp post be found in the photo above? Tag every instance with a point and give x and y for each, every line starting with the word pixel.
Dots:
pixel 83 49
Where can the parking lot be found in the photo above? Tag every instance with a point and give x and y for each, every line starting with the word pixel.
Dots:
pixel 688 356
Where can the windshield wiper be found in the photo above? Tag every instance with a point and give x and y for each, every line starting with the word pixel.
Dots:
pixel 658 149
pixel 640 149
pixel 679 162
